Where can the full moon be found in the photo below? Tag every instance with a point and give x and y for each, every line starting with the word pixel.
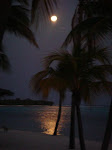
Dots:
pixel 54 18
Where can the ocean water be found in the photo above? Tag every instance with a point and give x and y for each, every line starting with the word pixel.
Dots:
pixel 43 118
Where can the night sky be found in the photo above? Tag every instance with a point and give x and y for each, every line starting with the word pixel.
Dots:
pixel 26 60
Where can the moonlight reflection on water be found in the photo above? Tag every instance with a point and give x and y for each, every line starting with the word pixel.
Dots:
pixel 42 119
pixel 48 120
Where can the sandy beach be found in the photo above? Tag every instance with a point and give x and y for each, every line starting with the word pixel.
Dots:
pixel 24 140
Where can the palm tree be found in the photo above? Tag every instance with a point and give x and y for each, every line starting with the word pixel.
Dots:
pixel 85 73
pixel 18 20
pixel 91 22
pixel 14 17
pixel 94 25
pixel 92 19
pixel 46 80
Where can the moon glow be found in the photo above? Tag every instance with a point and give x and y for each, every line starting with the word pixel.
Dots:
pixel 54 18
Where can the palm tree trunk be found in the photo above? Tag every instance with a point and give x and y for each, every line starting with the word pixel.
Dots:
pixel 108 130
pixel 80 18
pixel 80 128
pixel 78 14
pixel 90 40
pixel 72 131
pixel 59 115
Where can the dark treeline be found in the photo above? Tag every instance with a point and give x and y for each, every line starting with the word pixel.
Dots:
pixel 25 102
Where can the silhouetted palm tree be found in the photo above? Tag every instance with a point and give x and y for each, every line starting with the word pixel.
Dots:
pixel 46 80
pixel 17 11
pixel 15 19
pixel 85 73
pixel 92 22
pixel 19 23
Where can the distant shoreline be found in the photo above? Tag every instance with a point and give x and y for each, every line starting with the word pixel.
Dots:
pixel 27 102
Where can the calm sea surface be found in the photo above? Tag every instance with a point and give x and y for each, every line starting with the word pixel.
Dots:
pixel 43 118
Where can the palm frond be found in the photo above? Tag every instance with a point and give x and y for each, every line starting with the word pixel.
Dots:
pixel 54 56
pixel 88 72
pixel 97 73
pixel 44 81
pixel 4 61
pixel 18 23
pixel 44 87
pixel 89 90
pixel 23 2
pixel 52 82
pixel 97 55
pixel 34 83
pixel 103 55
pixel 101 87
pixel 68 40
pixel 100 27
pixel 42 8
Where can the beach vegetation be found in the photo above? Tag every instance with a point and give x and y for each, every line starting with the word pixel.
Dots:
pixel 4 92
